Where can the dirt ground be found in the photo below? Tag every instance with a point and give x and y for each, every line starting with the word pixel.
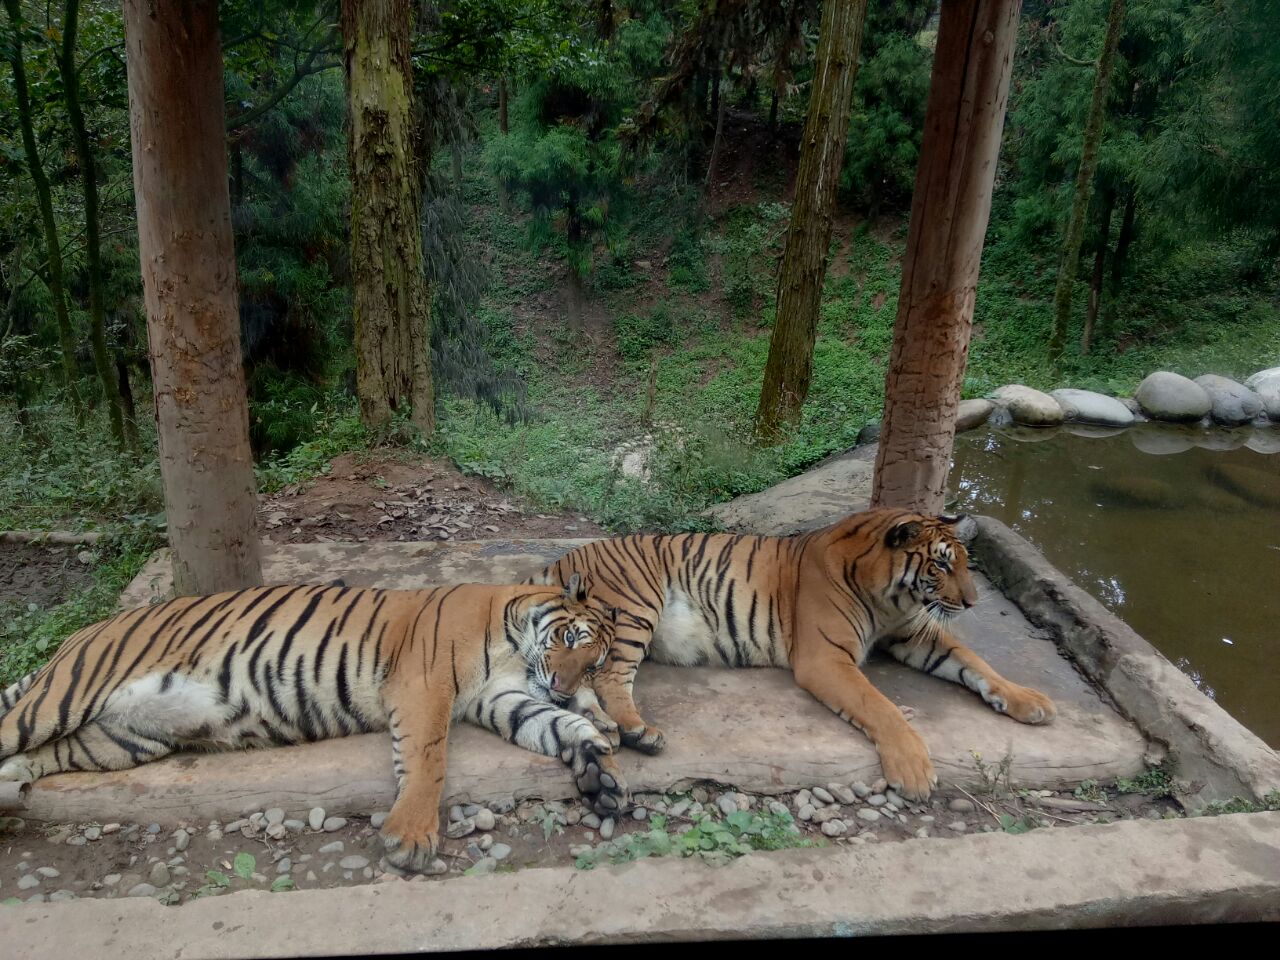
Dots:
pixel 385 496
pixel 42 574
pixel 47 861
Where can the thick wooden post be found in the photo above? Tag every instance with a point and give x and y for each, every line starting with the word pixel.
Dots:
pixel 949 212
pixel 189 283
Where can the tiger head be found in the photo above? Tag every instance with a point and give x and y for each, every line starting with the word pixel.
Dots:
pixel 575 640
pixel 919 566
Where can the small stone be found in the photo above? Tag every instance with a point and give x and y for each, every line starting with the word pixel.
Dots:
pixel 141 890
pixel 28 881
pixel 315 819
pixel 926 819
pixel 179 871
pixel 677 809
pixel 877 799
pixel 486 841
pixel 436 868
pixel 727 804
pixel 606 828
pixel 860 788
pixel 895 801
pixel 803 797
pixel 960 805
pixel 834 828
pixel 353 862
pixel 258 877
pixel 335 847
pixel 181 840
pixel 311 876
pixel 214 835
pixel 76 841
pixel 236 825
pixel 500 851
pixel 334 823
pixel 922 833
pixel 806 812
pixel 36 898
pixel 461 828
pixel 778 809
pixel 111 879
pixel 284 866
pixel 823 795
pixel 47 873
pixel 377 820
pixel 275 815
pixel 109 828
pixel 153 828
pixel 841 793
pixel 880 786
pixel 258 820
pixel 485 819
pixel 700 794
pixel 871 816
pixel 160 874
pixel 487 865
pixel 277 831
pixel 573 817
pixel 456 814
pixel 93 833
pixel 640 813
pixel 295 826
pixel 61 895
pixel 471 809
pixel 591 821
pixel 825 814
pixel 959 826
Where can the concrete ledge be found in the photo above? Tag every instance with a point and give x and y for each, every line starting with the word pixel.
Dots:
pixel 1220 870
pixel 1215 756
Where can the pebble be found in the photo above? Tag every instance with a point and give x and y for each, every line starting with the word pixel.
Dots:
pixel 214 835
pixel 141 890
pixel 834 828
pixel 726 804
pixel 36 898
pixel 179 871
pixel 471 809
pixel 181 839
pixel 61 895
pixel 923 833
pixel 284 866
pixel 806 812
pixel 591 821
pixel 877 799
pixel 927 818
pixel 860 788
pixel 778 809
pixel 235 825
pixel 28 881
pixel 353 862
pixel 456 814
pixel 803 797
pixel 257 820
pixel 258 877
pixel 895 801
pixel 487 865
pixel 640 813
pixel 578 849
pixel 959 826
pixel 841 792
pixel 500 851
pixel 275 815
pixel 461 828
pixel 277 831
pixel 295 826
pixel 377 820
pixel 880 786
pixel 76 841
pixel 92 833
pixel 823 794
pixel 153 828
pixel 315 818
pixel 825 814
pixel 960 805
pixel 111 879
pixel 305 858
pixel 47 872
pixel 505 805
pixel 311 876
pixel 485 819
pixel 606 828
pixel 573 816
pixel 700 794
pixel 159 875
pixel 871 816
pixel 108 828
pixel 336 847
pixel 677 809
pixel 437 867
pixel 334 823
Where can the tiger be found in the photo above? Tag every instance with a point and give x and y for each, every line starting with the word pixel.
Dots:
pixel 817 603
pixel 293 664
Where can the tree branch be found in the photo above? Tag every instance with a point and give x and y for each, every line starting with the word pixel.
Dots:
pixel 1070 59
pixel 299 72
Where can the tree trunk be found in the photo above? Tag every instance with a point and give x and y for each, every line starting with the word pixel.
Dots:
pixel 392 305
pixel 53 246
pixel 716 141
pixel 92 234
pixel 189 282
pixel 773 113
pixel 1099 268
pixel 804 258
pixel 126 399
pixel 714 110
pixel 1069 259
pixel 1118 264
pixel 950 206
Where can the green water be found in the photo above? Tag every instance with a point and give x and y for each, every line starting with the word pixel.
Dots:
pixel 1176 530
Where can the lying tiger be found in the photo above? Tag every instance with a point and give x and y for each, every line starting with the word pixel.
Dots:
pixel 817 603
pixel 279 665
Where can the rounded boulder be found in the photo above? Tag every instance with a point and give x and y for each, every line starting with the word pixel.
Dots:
pixel 1165 395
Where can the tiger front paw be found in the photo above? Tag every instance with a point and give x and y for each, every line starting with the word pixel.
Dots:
pixel 599 779
pixel 17 769
pixel 907 767
pixel 411 846
pixel 646 739
pixel 1023 704
pixel 604 723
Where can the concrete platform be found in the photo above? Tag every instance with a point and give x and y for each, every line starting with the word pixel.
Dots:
pixel 1135 873
pixel 753 729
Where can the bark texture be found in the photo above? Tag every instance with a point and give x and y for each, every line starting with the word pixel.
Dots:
pixel 804 259
pixel 950 206
pixel 189 283
pixel 392 305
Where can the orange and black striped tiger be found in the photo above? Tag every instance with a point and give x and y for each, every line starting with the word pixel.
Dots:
pixel 289 664
pixel 817 603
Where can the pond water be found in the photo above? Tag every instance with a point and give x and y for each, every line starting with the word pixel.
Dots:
pixel 1176 530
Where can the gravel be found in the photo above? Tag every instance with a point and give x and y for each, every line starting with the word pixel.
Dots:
pixel 315 819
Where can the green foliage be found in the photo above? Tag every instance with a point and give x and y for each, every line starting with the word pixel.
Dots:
pixel 709 837
pixel 1270 802
pixel 243 865
pixel 335 429
pixel 1156 783
pixel 639 335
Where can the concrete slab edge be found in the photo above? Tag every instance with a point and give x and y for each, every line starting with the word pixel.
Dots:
pixel 1132 873
pixel 1215 756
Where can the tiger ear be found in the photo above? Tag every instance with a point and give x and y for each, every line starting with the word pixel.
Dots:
pixel 903 533
pixel 575 589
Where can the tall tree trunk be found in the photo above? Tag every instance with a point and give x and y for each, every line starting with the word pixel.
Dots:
pixel 1124 239
pixel 716 141
pixel 53 247
pixel 804 258
pixel 189 282
pixel 773 113
pixel 1069 258
pixel 1099 269
pixel 714 109
pixel 92 234
pixel 391 302
pixel 950 206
